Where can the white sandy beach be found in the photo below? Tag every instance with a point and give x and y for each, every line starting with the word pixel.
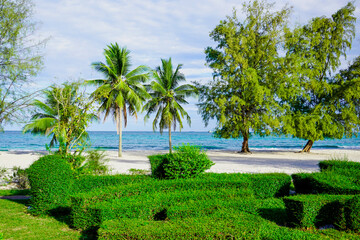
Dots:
pixel 225 161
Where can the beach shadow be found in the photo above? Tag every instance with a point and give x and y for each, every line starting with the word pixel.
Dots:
pixel 32 152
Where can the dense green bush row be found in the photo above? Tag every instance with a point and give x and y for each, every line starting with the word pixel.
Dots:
pixel 309 211
pixel 87 183
pixel 328 182
pixel 222 225
pixel 339 165
pixel 155 206
pixel 89 206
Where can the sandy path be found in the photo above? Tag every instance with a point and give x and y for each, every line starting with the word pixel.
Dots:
pixel 225 161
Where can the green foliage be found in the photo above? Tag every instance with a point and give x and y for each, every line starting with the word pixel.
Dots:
pixel 20 58
pixel 167 97
pixel 225 225
pixel 339 164
pixel 322 106
pixel 154 206
pixel 65 114
pixel 270 184
pixel 326 183
pixel 135 171
pixel 308 211
pixel 51 179
pixel 187 162
pixel 151 197
pixel 247 72
pixel 352 213
pixel 95 163
pixel 86 183
pixel 75 161
pixel 121 93
pixel 14 192
pixel 157 163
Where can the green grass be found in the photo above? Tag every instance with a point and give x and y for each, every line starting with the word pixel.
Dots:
pixel 16 223
pixel 14 192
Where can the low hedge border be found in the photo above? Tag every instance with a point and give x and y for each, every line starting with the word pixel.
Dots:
pixel 338 164
pixel 152 206
pixel 310 211
pixel 328 182
pixel 224 225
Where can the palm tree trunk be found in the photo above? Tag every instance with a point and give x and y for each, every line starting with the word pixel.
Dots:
pixel 170 148
pixel 120 132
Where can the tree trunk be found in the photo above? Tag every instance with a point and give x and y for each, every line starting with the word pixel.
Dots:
pixel 170 147
pixel 308 146
pixel 245 145
pixel 120 132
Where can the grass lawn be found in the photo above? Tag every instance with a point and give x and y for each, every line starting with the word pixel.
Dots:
pixel 16 224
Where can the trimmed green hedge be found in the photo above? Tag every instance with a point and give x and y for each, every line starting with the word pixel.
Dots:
pixel 87 183
pixel 309 211
pixel 224 225
pixel 264 185
pixel 338 164
pixel 328 182
pixel 352 213
pixel 155 206
pixel 51 179
pixel 83 203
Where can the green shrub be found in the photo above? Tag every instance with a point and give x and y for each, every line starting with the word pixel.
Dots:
pixel 308 211
pixel 157 163
pixel 51 179
pixel 264 185
pixel 352 213
pixel 269 185
pixel 82 203
pixel 224 225
pixel 328 182
pixel 86 183
pixel 155 206
pixel 336 164
pixel 186 162
pixel 95 163
pixel 75 161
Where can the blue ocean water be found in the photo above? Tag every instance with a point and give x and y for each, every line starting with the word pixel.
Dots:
pixel 15 140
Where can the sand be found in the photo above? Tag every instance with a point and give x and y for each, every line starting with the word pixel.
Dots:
pixel 225 161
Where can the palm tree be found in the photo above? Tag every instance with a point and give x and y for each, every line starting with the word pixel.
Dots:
pixel 121 92
pixel 64 114
pixel 167 97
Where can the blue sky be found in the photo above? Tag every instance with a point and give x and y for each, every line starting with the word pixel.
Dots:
pixel 79 30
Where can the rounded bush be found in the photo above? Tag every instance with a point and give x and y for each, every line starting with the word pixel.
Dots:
pixel 352 213
pixel 187 161
pixel 51 179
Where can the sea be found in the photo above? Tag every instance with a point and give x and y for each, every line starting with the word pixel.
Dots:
pixel 146 140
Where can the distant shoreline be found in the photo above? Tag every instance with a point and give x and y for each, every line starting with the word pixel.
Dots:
pixel 225 161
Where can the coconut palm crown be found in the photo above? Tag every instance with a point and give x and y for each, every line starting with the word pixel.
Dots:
pixel 167 98
pixel 121 93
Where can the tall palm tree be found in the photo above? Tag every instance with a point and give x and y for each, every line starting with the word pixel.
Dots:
pixel 167 97
pixel 121 92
